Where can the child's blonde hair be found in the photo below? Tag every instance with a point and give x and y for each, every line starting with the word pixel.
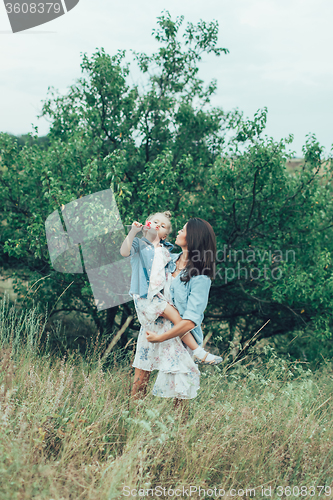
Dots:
pixel 166 214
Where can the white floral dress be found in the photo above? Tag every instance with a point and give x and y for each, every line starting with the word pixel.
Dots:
pixel 178 375
pixel 150 308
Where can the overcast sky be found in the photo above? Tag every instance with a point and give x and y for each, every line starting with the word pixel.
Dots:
pixel 280 57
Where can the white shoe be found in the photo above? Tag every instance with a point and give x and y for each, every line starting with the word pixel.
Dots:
pixel 200 356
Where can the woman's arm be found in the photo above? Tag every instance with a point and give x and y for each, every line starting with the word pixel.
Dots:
pixel 184 326
pixel 196 304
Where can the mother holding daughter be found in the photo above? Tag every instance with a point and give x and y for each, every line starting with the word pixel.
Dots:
pixel 170 293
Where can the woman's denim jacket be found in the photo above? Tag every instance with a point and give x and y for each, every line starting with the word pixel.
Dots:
pixel 190 298
pixel 142 256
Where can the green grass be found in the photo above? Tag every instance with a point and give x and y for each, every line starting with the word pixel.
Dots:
pixel 68 429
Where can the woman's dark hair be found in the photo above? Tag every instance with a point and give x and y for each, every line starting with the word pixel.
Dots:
pixel 201 245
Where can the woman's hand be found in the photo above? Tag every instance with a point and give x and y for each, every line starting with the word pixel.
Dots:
pixel 152 337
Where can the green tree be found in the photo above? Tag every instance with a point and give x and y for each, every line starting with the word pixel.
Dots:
pixel 275 238
pixel 147 145
pixel 166 147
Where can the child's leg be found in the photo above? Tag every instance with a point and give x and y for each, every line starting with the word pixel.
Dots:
pixel 200 355
pixel 173 315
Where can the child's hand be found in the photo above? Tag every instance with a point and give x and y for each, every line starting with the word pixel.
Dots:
pixel 152 337
pixel 136 227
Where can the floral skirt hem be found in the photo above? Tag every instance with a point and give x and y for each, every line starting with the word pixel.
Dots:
pixel 178 376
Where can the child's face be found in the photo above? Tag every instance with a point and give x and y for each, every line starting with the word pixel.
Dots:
pixel 161 224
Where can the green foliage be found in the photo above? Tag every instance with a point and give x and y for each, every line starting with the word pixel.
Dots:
pixel 278 224
pixel 162 147
pixel 105 133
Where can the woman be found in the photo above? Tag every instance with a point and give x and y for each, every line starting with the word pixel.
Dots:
pixel 161 347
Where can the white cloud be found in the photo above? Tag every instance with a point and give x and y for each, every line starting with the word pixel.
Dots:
pixel 280 57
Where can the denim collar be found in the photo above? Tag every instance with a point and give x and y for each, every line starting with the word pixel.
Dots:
pixel 166 244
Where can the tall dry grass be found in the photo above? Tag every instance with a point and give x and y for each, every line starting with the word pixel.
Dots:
pixel 68 429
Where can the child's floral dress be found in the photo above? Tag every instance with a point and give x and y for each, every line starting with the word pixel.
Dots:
pixel 178 375
pixel 150 308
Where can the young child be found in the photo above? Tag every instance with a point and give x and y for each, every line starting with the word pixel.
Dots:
pixel 151 257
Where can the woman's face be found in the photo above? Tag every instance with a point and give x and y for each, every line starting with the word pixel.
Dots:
pixel 181 237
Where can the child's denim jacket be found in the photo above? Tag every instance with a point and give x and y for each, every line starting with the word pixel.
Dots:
pixel 142 256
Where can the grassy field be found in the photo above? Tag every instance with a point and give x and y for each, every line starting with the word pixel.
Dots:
pixel 68 429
